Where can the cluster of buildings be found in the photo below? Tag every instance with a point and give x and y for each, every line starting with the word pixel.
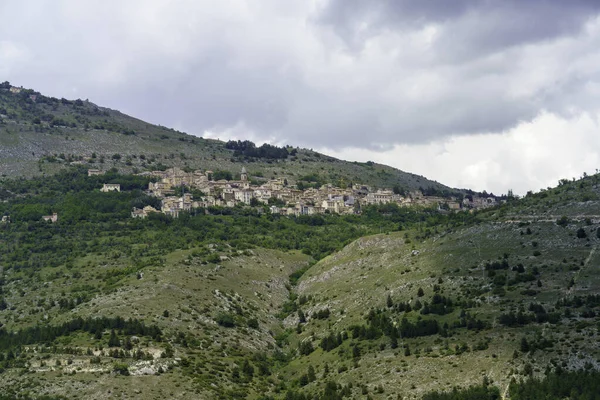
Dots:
pixel 174 185
pixel 279 197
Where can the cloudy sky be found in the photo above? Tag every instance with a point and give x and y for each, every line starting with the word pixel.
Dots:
pixel 481 94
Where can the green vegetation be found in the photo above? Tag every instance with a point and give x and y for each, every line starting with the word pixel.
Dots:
pixel 238 303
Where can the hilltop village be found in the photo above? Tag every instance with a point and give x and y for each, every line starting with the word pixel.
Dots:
pixel 278 196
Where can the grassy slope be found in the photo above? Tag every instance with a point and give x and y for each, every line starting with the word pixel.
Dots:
pixel 252 284
pixel 24 146
pixel 363 274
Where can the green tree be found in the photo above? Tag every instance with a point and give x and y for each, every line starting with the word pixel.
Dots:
pixel 524 345
pixel 113 341
pixel 248 369
pixel 312 376
pixel 562 221
pixel 301 316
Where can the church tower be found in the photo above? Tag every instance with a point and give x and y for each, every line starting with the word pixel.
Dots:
pixel 244 175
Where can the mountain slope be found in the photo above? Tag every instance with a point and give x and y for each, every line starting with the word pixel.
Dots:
pixel 40 135
pixel 392 303
pixel 450 299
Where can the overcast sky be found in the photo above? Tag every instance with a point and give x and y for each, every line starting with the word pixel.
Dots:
pixel 487 94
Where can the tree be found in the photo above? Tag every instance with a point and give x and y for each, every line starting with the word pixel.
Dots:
pixel 305 348
pixel 235 374
pixel 225 319
pixel 562 221
pixel 248 369
pixel 524 345
pixel 312 376
pixel 356 352
pixel 389 302
pixel 113 341
pixel 303 381
pixel 420 292
pixel 301 316
pixel 581 233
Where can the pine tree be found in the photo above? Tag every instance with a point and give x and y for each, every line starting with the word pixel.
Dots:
pixel 248 369
pixel 113 341
pixel 312 376
pixel 301 316
pixel 524 345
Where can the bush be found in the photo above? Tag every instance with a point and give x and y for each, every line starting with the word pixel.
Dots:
pixel 253 323
pixel 121 369
pixel 562 221
pixel 225 319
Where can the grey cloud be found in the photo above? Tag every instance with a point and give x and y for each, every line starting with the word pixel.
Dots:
pixel 473 26
pixel 284 75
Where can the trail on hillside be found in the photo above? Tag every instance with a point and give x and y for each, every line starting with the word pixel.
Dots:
pixel 585 264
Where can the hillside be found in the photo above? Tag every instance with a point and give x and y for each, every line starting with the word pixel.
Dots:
pixel 41 135
pixel 393 303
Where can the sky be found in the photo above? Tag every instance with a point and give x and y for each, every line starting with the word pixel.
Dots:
pixel 492 95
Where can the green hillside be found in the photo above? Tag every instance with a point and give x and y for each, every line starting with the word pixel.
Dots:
pixel 236 303
pixel 41 135
pixel 393 303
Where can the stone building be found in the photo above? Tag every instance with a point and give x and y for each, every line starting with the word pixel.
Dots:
pixel 111 187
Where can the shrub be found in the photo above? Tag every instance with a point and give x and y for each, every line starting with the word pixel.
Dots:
pixel 225 319
pixel 121 369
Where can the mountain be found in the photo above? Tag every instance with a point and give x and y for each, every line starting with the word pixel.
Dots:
pixel 396 302
pixel 41 135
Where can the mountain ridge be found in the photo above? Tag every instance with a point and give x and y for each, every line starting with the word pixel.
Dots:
pixel 35 130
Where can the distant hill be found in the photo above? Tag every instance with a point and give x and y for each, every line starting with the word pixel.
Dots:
pixel 40 135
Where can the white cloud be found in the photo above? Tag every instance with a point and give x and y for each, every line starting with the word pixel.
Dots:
pixel 531 156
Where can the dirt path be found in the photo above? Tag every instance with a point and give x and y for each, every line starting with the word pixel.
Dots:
pixel 585 264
